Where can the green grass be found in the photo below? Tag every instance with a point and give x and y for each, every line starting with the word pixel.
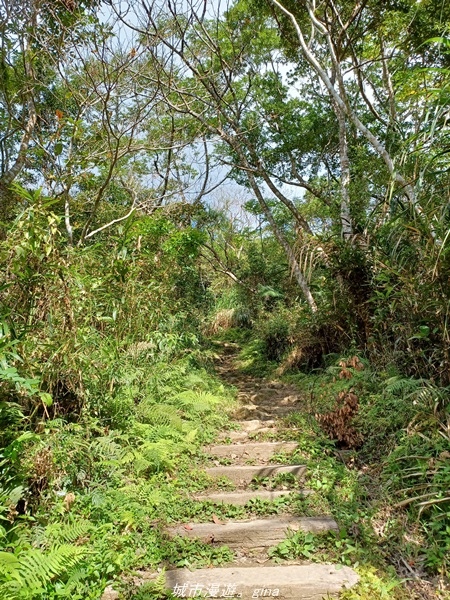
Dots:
pixel 361 487
pixel 132 473
pixel 123 474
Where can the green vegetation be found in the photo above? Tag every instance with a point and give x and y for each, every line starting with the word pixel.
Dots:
pixel 270 180
pixel 389 494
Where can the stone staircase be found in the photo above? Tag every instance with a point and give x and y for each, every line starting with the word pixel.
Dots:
pixel 249 462
pixel 251 538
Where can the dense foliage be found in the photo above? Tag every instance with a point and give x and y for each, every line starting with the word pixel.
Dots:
pixel 272 173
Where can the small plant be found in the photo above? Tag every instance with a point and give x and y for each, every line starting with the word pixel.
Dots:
pixel 27 573
pixel 185 552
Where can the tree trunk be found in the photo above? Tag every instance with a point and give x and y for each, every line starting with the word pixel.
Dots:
pixel 295 267
pixel 346 220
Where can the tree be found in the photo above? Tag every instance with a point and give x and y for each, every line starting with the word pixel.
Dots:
pixel 205 71
pixel 32 35
pixel 83 121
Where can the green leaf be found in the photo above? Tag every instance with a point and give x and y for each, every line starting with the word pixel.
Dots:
pixel 9 562
pixel 46 398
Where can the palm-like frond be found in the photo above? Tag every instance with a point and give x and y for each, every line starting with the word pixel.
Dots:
pixel 196 402
pixel 26 575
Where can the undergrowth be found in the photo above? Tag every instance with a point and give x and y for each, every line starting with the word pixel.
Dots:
pixel 104 405
pixel 107 485
pixel 389 494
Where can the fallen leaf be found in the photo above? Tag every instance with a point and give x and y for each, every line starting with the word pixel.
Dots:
pixel 69 500
pixel 216 520
pixel 188 527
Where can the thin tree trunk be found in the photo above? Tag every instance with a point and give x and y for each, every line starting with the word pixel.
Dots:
pixel 346 220
pixel 67 222
pixel 295 267
pixel 6 196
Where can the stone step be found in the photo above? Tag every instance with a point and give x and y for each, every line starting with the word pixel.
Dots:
pixel 243 474
pixel 241 498
pixel 252 411
pixel 248 427
pixel 253 425
pixel 251 450
pixel 256 533
pixel 295 582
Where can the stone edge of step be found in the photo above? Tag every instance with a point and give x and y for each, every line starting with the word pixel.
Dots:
pixel 311 581
pixel 240 498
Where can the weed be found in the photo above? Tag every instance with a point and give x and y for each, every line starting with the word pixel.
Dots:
pixel 185 552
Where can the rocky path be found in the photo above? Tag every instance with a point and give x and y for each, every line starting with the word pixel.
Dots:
pixel 249 458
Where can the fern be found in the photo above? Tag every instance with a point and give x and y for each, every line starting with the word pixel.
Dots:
pixel 164 432
pixel 144 493
pixel 106 447
pixel 159 414
pixel 195 381
pixel 150 456
pixel 402 386
pixel 156 589
pixel 196 402
pixel 159 454
pixel 420 390
pixel 67 532
pixel 77 575
pixel 27 574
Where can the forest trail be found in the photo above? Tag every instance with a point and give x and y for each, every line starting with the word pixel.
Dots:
pixel 255 458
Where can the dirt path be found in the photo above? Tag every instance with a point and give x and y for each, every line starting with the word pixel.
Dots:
pixel 259 398
pixel 252 574
pixel 257 460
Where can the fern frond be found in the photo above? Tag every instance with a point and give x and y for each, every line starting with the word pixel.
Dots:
pixel 165 432
pixel 421 390
pixel 160 414
pixel 159 454
pixel 195 381
pixel 150 456
pixel 403 385
pixel 10 562
pixel 67 532
pixel 77 575
pixel 105 447
pixel 37 568
pixel 11 590
pixel 196 402
pixel 30 571
pixel 146 494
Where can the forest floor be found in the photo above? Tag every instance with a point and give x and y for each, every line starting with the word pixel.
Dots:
pixel 287 410
pixel 246 508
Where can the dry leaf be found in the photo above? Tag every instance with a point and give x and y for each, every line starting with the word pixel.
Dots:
pixel 337 423
pixel 69 499
pixel 216 520
pixel 345 374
